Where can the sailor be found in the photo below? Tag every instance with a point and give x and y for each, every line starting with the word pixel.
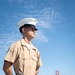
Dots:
pixel 23 55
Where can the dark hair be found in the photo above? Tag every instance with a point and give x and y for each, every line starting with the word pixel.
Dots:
pixel 21 29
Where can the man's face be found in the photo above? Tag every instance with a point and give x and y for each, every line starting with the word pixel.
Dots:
pixel 30 32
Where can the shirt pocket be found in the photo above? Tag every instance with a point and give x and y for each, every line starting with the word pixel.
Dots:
pixel 34 57
pixel 21 60
pixel 34 60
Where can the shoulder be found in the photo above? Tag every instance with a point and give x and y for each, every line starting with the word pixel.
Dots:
pixel 15 46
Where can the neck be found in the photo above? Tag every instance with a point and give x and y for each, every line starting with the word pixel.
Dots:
pixel 27 40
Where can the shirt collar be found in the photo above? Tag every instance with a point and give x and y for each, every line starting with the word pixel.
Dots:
pixel 23 43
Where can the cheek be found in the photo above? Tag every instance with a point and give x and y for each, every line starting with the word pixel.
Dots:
pixel 30 32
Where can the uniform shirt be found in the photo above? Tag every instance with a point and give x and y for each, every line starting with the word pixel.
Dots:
pixel 25 59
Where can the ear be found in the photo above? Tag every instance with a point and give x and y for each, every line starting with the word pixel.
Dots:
pixel 23 29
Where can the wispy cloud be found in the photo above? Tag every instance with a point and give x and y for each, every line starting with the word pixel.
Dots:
pixel 48 17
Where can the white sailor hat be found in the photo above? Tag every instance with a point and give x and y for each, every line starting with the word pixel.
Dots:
pixel 28 22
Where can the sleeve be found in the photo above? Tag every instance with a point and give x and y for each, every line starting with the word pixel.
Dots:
pixel 12 53
pixel 39 62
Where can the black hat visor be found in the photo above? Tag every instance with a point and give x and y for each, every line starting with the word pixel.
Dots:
pixel 30 25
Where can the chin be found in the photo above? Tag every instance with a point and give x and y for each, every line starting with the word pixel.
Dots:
pixel 33 36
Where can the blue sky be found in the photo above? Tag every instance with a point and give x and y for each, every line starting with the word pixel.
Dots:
pixel 55 38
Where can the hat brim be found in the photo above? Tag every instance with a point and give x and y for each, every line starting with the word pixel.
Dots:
pixel 32 26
